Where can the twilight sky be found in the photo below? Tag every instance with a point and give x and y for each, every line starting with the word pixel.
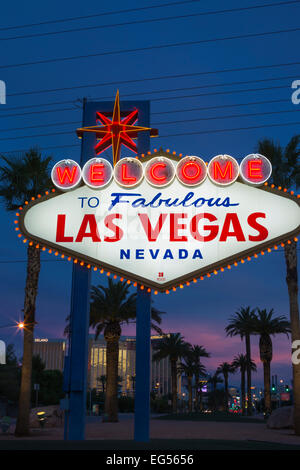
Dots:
pixel 199 312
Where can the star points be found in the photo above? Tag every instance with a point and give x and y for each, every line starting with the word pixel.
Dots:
pixel 116 132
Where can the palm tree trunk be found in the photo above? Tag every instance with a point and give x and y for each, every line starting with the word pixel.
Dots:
pixel 197 394
pixel 111 335
pixel 190 389
pixel 226 391
pixel 31 289
pixel 243 391
pixel 200 400
pixel 267 386
pixel 103 380
pixel 174 384
pixel 249 395
pixel 292 284
pixel 215 396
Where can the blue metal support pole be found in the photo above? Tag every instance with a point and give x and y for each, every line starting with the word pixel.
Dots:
pixel 79 325
pixel 76 378
pixel 142 367
pixel 79 352
pixel 143 324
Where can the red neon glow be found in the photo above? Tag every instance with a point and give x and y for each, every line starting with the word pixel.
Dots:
pixel 66 174
pixel 97 173
pixel 191 171
pixel 194 173
pixel 223 169
pixel 125 177
pixel 116 132
pixel 255 169
pixel 128 172
pixel 221 173
pixel 154 176
pixel 159 171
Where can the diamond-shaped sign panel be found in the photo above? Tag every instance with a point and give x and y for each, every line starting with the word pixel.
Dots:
pixel 161 237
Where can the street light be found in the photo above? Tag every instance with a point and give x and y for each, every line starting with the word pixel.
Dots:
pixel 19 325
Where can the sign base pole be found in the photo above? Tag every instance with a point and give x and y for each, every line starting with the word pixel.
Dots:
pixel 143 358
pixel 79 352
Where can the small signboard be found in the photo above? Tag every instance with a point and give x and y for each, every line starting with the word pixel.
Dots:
pixel 2 352
pixel 285 396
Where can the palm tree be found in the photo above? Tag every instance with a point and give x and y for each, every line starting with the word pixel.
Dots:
pixel 266 325
pixel 225 368
pixel 199 394
pixel 102 379
pixel 119 384
pixel 133 378
pixel 286 173
pixel 111 307
pixel 197 353
pixel 240 362
pixel 214 380
pixel 38 367
pixel 241 323
pixel 21 178
pixel 174 347
pixel 191 368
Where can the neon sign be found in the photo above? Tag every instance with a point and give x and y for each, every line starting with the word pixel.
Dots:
pixel 116 132
pixel 160 220
pixel 160 171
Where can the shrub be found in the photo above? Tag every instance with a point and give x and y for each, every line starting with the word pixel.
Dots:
pixel 126 404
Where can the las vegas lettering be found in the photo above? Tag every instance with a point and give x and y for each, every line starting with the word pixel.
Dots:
pixel 180 227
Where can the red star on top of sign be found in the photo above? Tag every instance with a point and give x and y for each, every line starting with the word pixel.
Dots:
pixel 116 132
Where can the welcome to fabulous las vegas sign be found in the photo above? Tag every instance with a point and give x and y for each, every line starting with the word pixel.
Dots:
pixel 161 220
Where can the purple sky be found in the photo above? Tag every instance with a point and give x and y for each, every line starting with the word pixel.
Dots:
pixel 199 312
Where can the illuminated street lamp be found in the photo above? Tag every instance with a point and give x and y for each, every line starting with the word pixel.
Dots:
pixel 22 325
pixel 41 415
pixel 19 325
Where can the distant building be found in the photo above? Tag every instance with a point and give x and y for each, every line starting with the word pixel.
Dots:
pixel 52 352
pixel 233 391
pixel 161 372
pixel 97 363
